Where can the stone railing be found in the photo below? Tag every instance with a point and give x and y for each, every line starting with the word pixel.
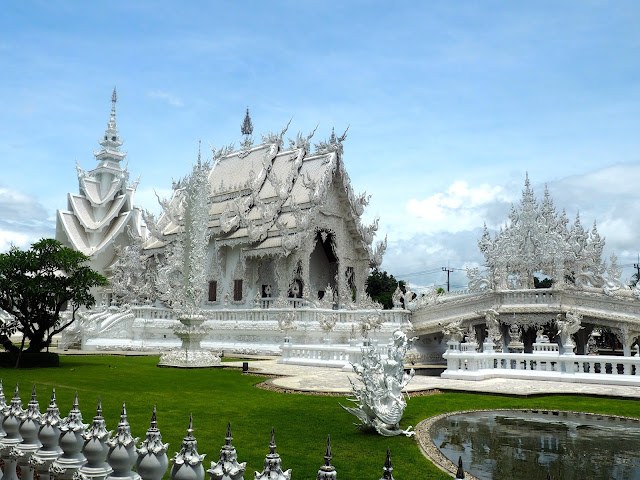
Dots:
pixel 44 444
pixel 335 356
pixel 465 363
pixel 269 313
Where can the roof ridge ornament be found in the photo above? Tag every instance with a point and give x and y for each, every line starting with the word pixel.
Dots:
pixel 247 126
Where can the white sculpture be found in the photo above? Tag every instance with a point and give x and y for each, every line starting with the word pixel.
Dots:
pixel 122 451
pixel 187 463
pixel 152 459
pixel 494 329
pixel 182 274
pixel 227 467
pixel 273 464
pixel 380 399
pixel 29 428
pixel 71 442
pixel 96 448
pixel 568 324
pixel 453 331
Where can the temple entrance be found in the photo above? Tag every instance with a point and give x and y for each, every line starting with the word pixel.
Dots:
pixel 323 264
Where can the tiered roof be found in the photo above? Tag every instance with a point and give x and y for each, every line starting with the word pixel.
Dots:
pixel 104 205
pixel 266 197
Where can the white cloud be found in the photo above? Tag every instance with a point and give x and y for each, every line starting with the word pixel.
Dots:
pixel 23 220
pixel 460 207
pixel 443 229
pixel 170 98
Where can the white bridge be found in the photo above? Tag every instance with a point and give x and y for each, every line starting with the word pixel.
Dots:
pixel 529 309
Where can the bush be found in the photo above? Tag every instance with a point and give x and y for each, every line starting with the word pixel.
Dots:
pixel 30 359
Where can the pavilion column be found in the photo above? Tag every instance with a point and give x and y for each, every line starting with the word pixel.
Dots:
pixel 306 278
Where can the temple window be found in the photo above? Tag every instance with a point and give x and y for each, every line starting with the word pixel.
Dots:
pixel 237 290
pixel 213 291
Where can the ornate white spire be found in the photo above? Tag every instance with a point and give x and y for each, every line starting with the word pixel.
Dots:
pixel 111 142
pixel 227 466
pixel 187 463
pixel 152 460
pixel 327 471
pixel 273 464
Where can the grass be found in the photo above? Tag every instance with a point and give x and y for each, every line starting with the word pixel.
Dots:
pixel 301 422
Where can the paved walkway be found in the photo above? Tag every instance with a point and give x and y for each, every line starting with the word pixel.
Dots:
pixel 333 380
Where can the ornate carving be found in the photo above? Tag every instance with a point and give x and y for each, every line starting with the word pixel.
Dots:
pixel 568 324
pixel 538 240
pixel 380 402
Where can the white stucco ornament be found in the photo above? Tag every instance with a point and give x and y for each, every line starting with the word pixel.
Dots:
pixel 380 401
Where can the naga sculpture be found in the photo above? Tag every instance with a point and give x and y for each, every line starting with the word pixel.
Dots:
pixel 380 401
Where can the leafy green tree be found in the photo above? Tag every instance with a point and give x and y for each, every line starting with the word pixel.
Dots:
pixel 634 280
pixel 36 285
pixel 542 283
pixel 380 287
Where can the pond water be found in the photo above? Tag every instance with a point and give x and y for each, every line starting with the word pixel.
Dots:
pixel 526 445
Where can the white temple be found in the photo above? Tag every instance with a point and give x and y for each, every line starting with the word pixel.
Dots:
pixel 262 250
pixel 97 218
pixel 269 244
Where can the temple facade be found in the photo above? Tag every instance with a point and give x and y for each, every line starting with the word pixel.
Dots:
pixel 264 240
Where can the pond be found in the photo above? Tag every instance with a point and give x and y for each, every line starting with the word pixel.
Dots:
pixel 528 444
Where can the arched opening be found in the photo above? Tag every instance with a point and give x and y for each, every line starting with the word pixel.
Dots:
pixel 323 263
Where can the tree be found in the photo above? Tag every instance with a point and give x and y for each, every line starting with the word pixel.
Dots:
pixel 35 287
pixel 380 287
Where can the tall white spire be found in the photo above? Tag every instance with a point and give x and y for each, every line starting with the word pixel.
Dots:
pixel 111 142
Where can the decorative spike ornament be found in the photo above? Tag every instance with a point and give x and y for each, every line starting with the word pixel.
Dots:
pixel 95 448
pixel 387 469
pixel 273 464
pixel 11 425
pixel 460 471
pixel 31 420
pixel 247 126
pixel 71 442
pixel 327 471
pixel 227 467
pixel 187 463
pixel 49 436
pixel 3 407
pixel 152 460
pixel 122 451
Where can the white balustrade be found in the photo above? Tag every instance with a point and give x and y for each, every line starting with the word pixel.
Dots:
pixel 540 365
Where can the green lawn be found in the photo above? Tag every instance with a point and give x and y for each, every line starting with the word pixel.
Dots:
pixel 301 422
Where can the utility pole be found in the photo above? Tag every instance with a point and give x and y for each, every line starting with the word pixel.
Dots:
pixel 637 267
pixel 445 269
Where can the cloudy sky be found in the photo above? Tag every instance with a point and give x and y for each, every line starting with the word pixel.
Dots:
pixel 449 105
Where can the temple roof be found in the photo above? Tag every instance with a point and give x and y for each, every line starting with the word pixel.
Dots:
pixel 262 196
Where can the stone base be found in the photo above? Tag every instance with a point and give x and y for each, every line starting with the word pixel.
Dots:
pixel 180 358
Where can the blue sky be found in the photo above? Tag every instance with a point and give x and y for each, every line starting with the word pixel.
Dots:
pixel 449 104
